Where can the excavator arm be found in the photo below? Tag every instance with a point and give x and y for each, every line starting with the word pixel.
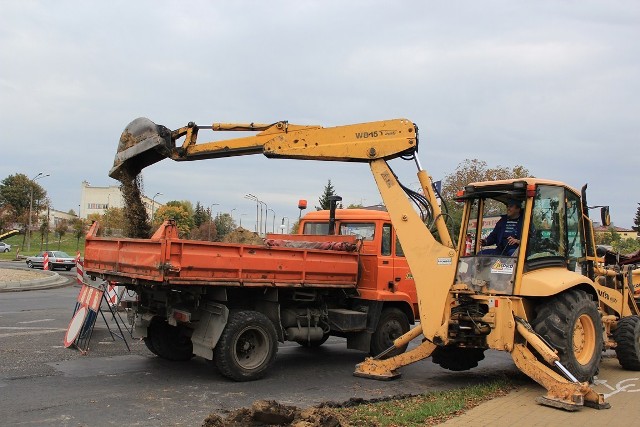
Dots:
pixel 144 143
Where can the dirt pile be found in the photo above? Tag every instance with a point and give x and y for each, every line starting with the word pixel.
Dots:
pixel 243 236
pixel 135 213
pixel 265 413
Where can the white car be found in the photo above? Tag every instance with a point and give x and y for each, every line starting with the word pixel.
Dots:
pixel 5 247
pixel 57 259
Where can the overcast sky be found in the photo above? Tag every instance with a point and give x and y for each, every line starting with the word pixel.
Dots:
pixel 551 85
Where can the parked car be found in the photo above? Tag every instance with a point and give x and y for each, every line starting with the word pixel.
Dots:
pixel 4 247
pixel 57 259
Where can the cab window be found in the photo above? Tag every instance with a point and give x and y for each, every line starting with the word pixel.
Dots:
pixel 548 230
pixel 385 245
pixel 364 231
pixel 316 228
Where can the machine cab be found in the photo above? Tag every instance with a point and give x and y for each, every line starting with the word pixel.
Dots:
pixel 497 243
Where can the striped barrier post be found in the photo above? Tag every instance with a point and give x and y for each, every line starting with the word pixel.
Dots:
pixel 45 263
pixel 79 271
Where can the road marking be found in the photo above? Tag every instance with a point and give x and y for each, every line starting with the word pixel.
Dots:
pixel 36 321
pixel 23 327
pixel 31 332
pixel 620 386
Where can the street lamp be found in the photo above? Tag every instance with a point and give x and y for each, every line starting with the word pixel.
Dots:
pixel 250 196
pixel 33 183
pixel 273 223
pixel 241 215
pixel 153 205
pixel 231 214
pixel 210 219
pixel 283 226
pixel 265 216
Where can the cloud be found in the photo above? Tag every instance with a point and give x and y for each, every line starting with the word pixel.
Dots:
pixel 549 85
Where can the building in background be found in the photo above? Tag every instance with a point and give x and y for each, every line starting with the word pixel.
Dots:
pixel 99 199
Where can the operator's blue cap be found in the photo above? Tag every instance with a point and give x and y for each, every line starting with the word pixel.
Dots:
pixel 514 202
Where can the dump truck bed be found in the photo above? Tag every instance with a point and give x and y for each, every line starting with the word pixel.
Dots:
pixel 166 260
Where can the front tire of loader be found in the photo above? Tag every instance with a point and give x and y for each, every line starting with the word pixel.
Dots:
pixel 247 347
pixel 570 322
pixel 627 338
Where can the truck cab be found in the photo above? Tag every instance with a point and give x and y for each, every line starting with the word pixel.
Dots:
pixel 384 271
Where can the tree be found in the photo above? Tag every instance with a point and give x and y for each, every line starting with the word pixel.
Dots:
pixel 184 221
pixel 15 196
pixel 224 225
pixel 199 215
pixel 78 225
pixel 324 198
pixel 355 206
pixel 112 220
pixel 472 170
pixel 44 229
pixel 636 220
pixel 61 230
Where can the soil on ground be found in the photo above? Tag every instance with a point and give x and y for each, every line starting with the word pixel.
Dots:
pixel 265 413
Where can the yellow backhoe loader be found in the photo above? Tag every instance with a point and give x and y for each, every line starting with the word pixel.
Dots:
pixel 550 303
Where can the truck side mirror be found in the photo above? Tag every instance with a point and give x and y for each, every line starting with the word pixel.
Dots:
pixel 604 216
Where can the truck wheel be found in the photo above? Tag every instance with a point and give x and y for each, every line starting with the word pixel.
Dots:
pixel 570 322
pixel 456 358
pixel 247 347
pixel 627 338
pixel 392 324
pixel 168 341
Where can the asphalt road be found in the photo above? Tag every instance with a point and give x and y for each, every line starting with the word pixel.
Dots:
pixel 43 383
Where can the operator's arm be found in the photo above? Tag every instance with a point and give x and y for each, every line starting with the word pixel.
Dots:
pixel 492 238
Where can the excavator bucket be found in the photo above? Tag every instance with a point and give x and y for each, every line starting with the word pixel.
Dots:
pixel 142 144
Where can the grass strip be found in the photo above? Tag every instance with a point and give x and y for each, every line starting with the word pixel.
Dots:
pixel 427 409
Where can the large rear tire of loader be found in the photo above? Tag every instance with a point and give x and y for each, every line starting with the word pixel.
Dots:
pixel 168 342
pixel 570 322
pixel 393 323
pixel 247 347
pixel 627 338
pixel 456 358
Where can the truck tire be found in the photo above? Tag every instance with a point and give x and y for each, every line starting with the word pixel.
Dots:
pixel 247 347
pixel 392 324
pixel 168 341
pixel 627 338
pixel 571 323
pixel 456 358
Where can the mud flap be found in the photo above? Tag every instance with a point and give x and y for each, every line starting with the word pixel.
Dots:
pixel 213 319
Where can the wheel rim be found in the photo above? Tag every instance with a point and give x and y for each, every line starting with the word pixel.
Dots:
pixel 391 331
pixel 251 348
pixel 584 339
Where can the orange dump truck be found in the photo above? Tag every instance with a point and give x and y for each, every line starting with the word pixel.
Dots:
pixel 233 303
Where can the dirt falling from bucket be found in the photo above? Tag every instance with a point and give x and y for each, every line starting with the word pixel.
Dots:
pixel 135 214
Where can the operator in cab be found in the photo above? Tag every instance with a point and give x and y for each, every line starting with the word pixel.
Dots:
pixel 507 232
